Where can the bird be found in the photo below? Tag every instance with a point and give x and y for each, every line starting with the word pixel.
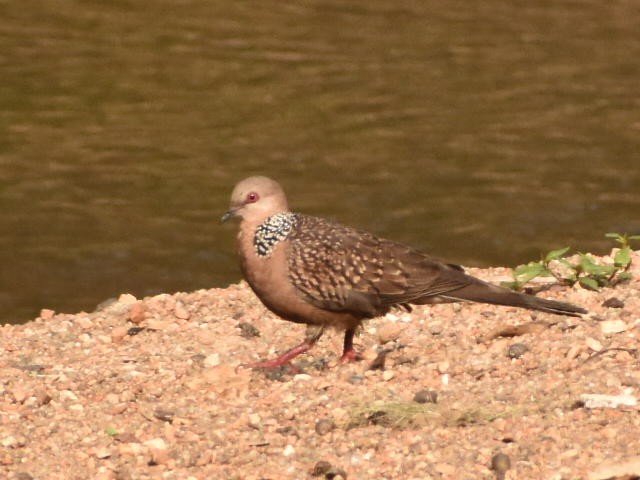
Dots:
pixel 313 271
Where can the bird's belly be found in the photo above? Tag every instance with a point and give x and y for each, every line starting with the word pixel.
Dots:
pixel 272 285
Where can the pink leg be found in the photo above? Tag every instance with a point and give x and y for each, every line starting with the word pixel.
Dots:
pixel 349 354
pixel 312 335
pixel 283 359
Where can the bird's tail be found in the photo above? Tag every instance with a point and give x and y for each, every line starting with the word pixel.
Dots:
pixel 479 291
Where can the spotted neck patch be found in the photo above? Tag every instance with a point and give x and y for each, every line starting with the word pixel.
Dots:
pixel 272 231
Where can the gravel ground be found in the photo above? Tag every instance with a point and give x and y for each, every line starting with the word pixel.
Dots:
pixel 155 388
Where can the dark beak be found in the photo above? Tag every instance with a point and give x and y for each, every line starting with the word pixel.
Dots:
pixel 230 214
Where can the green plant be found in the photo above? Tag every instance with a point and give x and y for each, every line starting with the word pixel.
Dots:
pixel 581 268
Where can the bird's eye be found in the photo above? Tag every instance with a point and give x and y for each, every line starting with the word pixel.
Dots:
pixel 252 197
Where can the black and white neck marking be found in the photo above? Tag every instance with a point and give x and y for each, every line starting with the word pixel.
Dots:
pixel 272 231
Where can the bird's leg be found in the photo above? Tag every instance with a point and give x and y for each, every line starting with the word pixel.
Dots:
pixel 311 336
pixel 349 354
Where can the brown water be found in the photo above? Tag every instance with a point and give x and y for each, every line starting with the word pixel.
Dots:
pixel 483 132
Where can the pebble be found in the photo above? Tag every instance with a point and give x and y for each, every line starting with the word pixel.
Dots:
pixel 119 333
pixel 136 313
pixel 181 312
pixel 324 426
pixel 157 443
pixel 387 375
pixel 47 314
pixel 248 330
pixel 255 421
pixel 500 463
pixel 613 302
pixel 594 400
pixel 426 396
pixel 288 450
pixel 388 332
pixel 517 350
pixel 212 360
pixel 609 327
pixel 593 344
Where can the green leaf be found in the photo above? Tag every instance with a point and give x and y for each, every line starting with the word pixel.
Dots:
pixel 613 235
pixel 111 431
pixel 622 276
pixel 556 254
pixel 622 257
pixel 590 266
pixel 526 273
pixel 588 283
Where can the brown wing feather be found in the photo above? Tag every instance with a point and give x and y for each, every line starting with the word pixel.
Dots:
pixel 340 268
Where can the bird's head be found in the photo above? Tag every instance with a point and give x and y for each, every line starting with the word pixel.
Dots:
pixel 256 198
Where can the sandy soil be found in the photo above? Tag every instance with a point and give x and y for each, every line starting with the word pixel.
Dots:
pixel 155 388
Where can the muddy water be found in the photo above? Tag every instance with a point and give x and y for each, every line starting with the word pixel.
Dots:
pixel 482 132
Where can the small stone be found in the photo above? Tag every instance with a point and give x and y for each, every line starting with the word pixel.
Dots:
pixel 321 467
pixel 164 415
pixel 9 442
pixel 324 426
pixel 426 396
pixel 609 327
pixel 593 344
pixel 212 360
pixel 157 443
pixel 594 400
pixel 613 302
pixel 42 398
pixel 103 453
pixel 68 395
pixel 388 332
pixel 443 367
pixel 387 375
pixel 127 299
pixel 436 329
pixel 159 456
pixel 302 377
pixel 247 330
pixel 19 394
pixel 47 314
pixel 288 450
pixel 356 379
pixel 157 324
pixel 84 323
pixel 500 463
pixel 255 421
pixel 118 333
pixel 181 312
pixel 517 350
pixel 136 313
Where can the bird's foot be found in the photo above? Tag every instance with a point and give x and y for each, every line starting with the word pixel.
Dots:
pixel 351 355
pixel 283 359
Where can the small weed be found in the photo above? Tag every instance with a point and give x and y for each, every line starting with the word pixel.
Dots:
pixel 390 414
pixel 111 431
pixel 581 268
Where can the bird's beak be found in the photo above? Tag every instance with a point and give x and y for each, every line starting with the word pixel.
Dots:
pixel 230 214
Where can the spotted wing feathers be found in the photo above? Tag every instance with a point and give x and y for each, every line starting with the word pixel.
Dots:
pixel 339 268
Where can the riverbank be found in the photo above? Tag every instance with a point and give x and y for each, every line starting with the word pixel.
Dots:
pixel 155 388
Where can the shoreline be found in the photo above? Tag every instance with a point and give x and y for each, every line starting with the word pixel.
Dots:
pixel 154 388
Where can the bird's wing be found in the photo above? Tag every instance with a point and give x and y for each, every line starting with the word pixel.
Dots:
pixel 342 269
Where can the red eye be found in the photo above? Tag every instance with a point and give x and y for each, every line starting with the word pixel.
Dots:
pixel 252 197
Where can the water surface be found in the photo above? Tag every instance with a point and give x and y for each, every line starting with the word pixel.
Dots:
pixel 482 132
